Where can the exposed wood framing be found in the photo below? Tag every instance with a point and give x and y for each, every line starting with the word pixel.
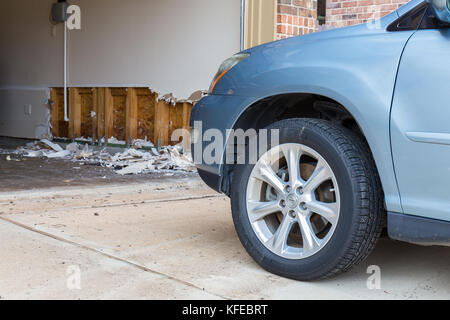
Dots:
pixel 132 114
pixel 187 108
pixel 95 119
pixel 99 108
pixel 87 102
pixel 162 118
pixel 124 113
pixel 75 113
pixel 146 113
pixel 109 113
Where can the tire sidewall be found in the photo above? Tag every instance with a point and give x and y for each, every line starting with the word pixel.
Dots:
pixel 330 255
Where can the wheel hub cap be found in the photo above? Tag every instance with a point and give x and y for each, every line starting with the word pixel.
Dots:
pixel 292 201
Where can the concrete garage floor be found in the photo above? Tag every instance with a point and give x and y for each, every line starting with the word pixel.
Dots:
pixel 171 238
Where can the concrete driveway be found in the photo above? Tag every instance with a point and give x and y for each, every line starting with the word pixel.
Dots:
pixel 171 238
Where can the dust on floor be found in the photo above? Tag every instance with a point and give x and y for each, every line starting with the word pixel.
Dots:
pixel 18 172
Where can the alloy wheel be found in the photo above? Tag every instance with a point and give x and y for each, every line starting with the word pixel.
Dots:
pixel 293 201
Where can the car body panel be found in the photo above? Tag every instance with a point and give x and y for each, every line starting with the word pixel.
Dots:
pixel 420 126
pixel 356 67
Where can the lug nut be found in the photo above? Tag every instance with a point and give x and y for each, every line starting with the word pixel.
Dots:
pixel 288 189
pixel 292 214
pixel 300 190
pixel 303 206
pixel 283 203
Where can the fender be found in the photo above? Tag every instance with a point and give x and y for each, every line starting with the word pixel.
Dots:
pixel 356 67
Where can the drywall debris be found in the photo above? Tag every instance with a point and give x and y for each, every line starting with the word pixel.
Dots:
pixel 59 154
pixel 168 98
pixel 54 146
pixel 139 143
pixel 135 168
pixel 34 153
pixel 197 95
pixel 113 140
pixel 8 158
pixel 134 160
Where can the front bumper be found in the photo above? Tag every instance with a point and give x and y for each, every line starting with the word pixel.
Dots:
pixel 220 113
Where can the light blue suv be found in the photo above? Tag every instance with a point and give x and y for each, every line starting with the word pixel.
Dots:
pixel 363 126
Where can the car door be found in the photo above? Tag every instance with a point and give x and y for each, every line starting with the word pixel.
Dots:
pixel 420 122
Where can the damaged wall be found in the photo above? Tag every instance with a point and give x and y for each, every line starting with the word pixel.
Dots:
pixel 173 46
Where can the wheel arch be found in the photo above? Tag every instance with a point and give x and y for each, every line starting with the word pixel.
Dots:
pixel 271 109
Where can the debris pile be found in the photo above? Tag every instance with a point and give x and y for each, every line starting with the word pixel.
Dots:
pixel 134 160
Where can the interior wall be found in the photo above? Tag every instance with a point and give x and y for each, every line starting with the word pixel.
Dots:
pixel 24 113
pixel 172 46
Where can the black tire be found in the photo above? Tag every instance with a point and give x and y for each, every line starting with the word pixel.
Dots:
pixel 361 218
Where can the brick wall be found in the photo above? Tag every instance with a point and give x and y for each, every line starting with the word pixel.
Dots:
pixel 342 13
pixel 296 17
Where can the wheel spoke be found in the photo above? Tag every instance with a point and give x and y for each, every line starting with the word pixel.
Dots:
pixel 278 242
pixel 292 156
pixel 269 176
pixel 319 176
pixel 259 210
pixel 310 241
pixel 329 211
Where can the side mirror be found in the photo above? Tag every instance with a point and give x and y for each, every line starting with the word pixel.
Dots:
pixel 441 9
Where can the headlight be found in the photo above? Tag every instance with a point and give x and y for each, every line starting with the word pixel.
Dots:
pixel 226 66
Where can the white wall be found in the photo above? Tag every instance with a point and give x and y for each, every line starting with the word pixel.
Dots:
pixel 173 46
pixel 24 113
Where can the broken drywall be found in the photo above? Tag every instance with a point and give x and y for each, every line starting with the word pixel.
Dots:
pixel 133 160
pixel 24 113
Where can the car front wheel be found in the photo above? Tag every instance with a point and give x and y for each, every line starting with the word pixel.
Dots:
pixel 311 207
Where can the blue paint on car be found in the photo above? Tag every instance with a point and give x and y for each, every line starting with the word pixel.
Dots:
pixel 394 83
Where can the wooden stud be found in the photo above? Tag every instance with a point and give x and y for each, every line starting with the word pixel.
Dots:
pixel 75 113
pixel 99 105
pixel 187 108
pixel 55 112
pixel 162 116
pixel 131 114
pixel 109 113
pixel 95 109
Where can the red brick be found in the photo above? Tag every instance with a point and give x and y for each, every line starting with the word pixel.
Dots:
pixel 365 3
pixel 388 7
pixel 338 11
pixel 348 4
pixel 287 9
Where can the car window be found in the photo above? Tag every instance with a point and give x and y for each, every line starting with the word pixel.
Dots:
pixel 430 21
pixel 409 21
